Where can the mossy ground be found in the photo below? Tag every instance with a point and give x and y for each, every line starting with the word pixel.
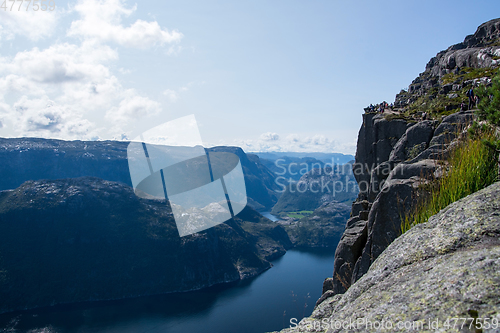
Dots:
pixel 438 104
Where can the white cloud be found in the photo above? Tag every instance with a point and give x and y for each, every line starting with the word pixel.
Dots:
pixel 269 142
pixel 101 20
pixel 133 107
pixel 45 118
pixel 174 50
pixel 269 136
pixel 79 82
pixel 172 95
pixel 32 24
pixel 68 89
pixel 15 83
pixel 319 140
pixel 62 63
pixel 293 138
pixel 73 75
pixel 124 71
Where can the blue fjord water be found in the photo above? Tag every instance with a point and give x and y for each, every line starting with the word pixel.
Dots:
pixel 262 304
pixel 270 216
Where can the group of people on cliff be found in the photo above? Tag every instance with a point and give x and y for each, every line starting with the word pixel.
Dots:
pixel 380 108
pixel 472 98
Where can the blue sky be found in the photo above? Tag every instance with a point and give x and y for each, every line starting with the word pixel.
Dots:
pixel 268 75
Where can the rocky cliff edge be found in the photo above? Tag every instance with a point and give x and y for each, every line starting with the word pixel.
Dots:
pixel 446 268
pixel 393 158
pixel 399 150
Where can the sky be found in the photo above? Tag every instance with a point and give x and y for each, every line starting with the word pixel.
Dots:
pixel 265 75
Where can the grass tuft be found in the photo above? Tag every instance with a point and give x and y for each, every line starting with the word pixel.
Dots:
pixel 471 167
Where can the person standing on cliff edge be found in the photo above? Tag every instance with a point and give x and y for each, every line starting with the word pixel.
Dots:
pixel 470 94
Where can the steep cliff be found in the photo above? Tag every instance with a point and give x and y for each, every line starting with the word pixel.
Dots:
pixel 86 239
pixel 396 152
pixel 445 268
pixel 26 159
pixel 455 68
pixel 436 273
pixel 392 159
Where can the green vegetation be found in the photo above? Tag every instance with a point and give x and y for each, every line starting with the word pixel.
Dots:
pixel 321 228
pixel 473 163
pixel 393 116
pixel 416 150
pixel 436 103
pixel 468 73
pixel 471 167
pixel 489 105
pixel 298 215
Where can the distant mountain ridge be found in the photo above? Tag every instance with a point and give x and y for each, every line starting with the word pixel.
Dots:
pixel 336 158
pixel 317 187
pixel 25 159
pixel 291 168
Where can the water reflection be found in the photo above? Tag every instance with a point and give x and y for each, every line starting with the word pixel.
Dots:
pixel 270 216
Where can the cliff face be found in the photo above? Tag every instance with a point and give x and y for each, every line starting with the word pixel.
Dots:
pixel 480 50
pixel 86 239
pixel 443 269
pixel 437 271
pixel 396 153
pixel 27 159
pixel 392 159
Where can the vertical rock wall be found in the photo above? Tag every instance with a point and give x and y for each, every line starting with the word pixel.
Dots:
pixel 393 157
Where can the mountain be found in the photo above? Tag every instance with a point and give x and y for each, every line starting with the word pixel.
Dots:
pixel 25 159
pixel 442 86
pixel 332 158
pixel 316 187
pixel 396 150
pixel 87 239
pixel 288 169
pixel 445 268
pixel 322 228
pixel 259 180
